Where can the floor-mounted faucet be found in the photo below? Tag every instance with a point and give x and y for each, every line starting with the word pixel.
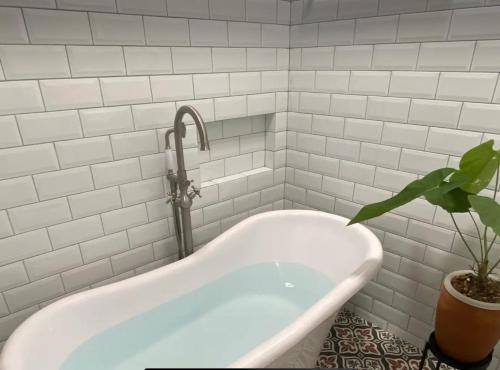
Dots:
pixel 180 196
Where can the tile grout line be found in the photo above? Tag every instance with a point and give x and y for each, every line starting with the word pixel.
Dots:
pixel 115 11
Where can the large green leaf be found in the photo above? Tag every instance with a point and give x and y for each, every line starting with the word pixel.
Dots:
pixel 412 191
pixel 448 198
pixel 477 168
pixel 488 211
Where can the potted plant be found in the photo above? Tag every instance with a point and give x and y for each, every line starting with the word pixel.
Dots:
pixel 468 311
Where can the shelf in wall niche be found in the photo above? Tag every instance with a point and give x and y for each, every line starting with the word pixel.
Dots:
pixel 261 171
pixel 238 106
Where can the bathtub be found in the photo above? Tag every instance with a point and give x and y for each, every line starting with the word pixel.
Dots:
pixel 316 242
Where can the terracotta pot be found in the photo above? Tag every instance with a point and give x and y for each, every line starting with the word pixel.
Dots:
pixel 466 329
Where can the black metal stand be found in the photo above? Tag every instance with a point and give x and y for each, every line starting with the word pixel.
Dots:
pixel 431 345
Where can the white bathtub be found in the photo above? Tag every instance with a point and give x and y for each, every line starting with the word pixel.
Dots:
pixel 349 256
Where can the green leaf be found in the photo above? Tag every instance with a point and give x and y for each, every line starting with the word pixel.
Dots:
pixel 488 210
pixel 477 167
pixel 412 191
pixel 451 200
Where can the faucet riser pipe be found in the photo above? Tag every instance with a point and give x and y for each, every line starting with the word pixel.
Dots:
pixel 177 220
pixel 187 231
pixel 183 198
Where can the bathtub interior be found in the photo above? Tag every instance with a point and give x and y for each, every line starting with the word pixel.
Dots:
pixel 319 241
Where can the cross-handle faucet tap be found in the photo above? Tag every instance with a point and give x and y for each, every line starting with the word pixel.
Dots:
pixel 195 192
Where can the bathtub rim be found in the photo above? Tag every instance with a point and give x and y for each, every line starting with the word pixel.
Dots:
pixel 268 350
pixel 328 305
pixel 278 344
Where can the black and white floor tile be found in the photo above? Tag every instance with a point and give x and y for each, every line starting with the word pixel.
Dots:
pixel 354 343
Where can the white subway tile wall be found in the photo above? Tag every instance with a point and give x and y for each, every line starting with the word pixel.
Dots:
pixel 309 104
pixel 87 91
pixel 412 87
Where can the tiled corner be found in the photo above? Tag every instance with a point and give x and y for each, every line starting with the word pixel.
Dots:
pixel 323 104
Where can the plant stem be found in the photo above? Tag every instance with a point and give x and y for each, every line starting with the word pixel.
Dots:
pixel 479 235
pixel 496 182
pixel 465 241
pixel 492 242
pixel 485 261
pixel 493 267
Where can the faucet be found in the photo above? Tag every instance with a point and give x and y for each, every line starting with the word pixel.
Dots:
pixel 182 192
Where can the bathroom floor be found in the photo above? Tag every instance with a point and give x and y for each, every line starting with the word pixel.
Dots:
pixel 354 343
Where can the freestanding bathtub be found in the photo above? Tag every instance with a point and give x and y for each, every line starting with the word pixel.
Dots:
pixel 262 294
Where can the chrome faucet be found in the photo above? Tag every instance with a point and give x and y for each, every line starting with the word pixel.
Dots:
pixel 182 192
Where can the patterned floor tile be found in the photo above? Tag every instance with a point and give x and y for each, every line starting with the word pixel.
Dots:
pixel 354 343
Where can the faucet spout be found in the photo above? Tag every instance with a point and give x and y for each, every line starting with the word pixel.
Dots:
pixel 198 121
